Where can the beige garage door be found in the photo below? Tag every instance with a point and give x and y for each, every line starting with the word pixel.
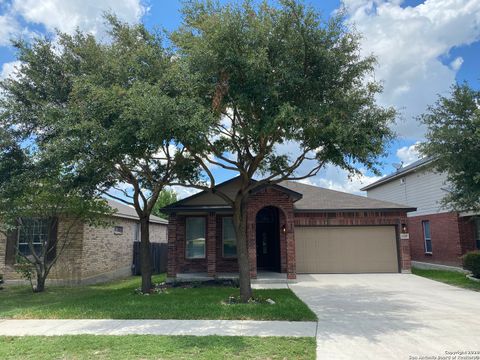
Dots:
pixel 349 249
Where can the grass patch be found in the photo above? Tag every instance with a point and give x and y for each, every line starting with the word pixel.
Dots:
pixel 117 300
pixel 448 277
pixel 155 347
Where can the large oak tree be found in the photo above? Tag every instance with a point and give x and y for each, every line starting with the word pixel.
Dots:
pixel 108 112
pixel 271 76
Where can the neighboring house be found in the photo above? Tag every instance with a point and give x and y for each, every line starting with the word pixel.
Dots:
pixel 94 254
pixel 437 234
pixel 291 228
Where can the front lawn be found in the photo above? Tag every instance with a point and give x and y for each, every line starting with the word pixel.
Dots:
pixel 448 277
pixel 155 347
pixel 117 300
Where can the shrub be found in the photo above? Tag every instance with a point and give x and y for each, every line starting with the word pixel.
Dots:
pixel 471 262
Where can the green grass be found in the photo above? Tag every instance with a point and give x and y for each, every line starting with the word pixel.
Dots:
pixel 155 347
pixel 116 300
pixel 448 277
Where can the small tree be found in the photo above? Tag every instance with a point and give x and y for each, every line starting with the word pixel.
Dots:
pixel 34 200
pixel 271 76
pixel 453 140
pixel 165 198
pixel 108 112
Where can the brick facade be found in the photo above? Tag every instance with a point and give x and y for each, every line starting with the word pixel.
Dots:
pixel 215 263
pixel 93 254
pixel 452 236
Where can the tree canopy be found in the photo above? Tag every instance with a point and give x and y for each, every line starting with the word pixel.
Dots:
pixel 275 77
pixel 36 190
pixel 453 141
pixel 109 112
pixel 166 197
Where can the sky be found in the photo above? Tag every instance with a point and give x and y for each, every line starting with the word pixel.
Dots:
pixel 422 49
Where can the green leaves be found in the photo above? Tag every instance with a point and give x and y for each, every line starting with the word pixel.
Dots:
pixel 280 73
pixel 453 139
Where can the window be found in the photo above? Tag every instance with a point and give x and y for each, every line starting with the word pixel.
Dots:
pixel 136 232
pixel 477 232
pixel 228 238
pixel 427 237
pixel 195 238
pixel 118 230
pixel 34 231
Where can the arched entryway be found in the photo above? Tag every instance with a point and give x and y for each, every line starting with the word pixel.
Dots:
pixel 268 239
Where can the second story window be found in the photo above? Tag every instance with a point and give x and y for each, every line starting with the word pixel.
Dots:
pixel 427 237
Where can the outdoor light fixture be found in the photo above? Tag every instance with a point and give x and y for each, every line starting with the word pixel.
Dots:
pixel 284 229
pixel 404 228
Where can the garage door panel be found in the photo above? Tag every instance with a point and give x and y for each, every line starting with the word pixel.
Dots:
pixel 349 249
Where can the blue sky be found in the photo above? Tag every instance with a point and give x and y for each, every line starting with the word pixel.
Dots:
pixel 422 47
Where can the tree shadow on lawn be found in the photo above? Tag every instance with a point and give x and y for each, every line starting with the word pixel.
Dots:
pixel 358 311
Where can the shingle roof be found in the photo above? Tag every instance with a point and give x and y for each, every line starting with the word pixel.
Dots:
pixel 128 212
pixel 403 171
pixel 305 197
pixel 321 199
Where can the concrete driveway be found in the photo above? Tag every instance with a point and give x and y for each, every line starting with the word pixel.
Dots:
pixel 390 316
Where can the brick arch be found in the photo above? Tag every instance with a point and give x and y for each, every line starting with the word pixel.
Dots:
pixel 282 201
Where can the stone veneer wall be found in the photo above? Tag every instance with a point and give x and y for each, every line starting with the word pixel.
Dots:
pixel 107 255
pixel 67 269
pixel 94 254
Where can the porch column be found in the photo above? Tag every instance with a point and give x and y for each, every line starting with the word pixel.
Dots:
pixel 252 242
pixel 211 244
pixel 290 234
pixel 172 246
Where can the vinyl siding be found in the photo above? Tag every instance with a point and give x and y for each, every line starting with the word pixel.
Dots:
pixel 422 189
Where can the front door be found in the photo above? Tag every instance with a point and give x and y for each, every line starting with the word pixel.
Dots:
pixel 268 244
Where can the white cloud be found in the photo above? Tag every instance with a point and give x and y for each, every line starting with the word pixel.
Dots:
pixel 183 192
pixel 457 63
pixel 334 178
pixel 408 43
pixel 408 154
pixel 9 28
pixel 9 69
pixel 87 15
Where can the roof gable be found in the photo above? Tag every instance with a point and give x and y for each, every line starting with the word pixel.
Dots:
pixel 207 198
pixel 305 197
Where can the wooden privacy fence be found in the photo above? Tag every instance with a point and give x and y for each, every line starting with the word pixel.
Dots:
pixel 158 253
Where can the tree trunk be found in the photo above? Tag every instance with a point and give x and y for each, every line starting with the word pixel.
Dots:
pixel 146 265
pixel 40 282
pixel 240 224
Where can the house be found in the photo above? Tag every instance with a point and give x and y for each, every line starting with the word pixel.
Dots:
pixel 437 234
pixel 291 228
pixel 94 254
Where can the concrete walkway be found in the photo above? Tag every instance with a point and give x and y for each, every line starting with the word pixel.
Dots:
pixel 158 327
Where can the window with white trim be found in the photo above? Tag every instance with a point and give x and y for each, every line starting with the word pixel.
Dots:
pixel 34 231
pixel 229 241
pixel 195 237
pixel 427 237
